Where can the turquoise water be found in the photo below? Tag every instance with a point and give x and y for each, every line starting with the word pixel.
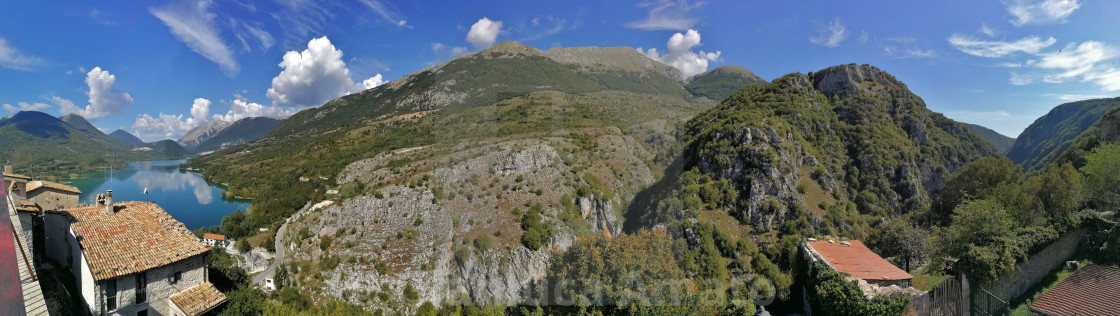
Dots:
pixel 185 195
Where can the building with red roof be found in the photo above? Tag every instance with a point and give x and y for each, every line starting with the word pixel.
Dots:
pixel 855 259
pixel 1093 290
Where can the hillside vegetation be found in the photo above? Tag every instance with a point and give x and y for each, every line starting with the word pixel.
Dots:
pixel 43 146
pixel 828 153
pixel 1051 134
pixel 1000 141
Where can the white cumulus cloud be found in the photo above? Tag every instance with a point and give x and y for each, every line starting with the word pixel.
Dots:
pixel 1040 11
pixel 484 33
pixel 982 48
pixel 102 100
pixel 681 55
pixel 1073 62
pixel 241 108
pixel 314 76
pixel 193 23
pixel 24 106
pixel 831 35
pixel 171 126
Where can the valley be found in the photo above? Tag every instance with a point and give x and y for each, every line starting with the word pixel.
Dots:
pixel 666 157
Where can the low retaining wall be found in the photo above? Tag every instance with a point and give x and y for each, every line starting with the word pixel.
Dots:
pixel 1038 266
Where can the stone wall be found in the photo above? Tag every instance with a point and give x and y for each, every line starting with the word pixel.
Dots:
pixel 159 289
pixel 1038 266
pixel 51 199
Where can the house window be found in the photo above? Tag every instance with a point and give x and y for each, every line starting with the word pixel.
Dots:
pixel 176 277
pixel 141 288
pixel 111 294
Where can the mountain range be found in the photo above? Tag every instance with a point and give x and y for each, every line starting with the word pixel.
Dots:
pixel 41 145
pixel 549 146
pixel 222 134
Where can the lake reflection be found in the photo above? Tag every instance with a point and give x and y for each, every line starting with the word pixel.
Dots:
pixel 185 195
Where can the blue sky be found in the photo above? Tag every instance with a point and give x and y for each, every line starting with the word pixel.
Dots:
pixel 159 68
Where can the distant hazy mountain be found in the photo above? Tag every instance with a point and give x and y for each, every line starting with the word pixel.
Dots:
pixel 243 131
pixel 125 137
pixel 1002 142
pixel 167 149
pixel 720 83
pixel 1050 135
pixel 200 134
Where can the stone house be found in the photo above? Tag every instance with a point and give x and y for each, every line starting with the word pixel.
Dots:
pixel 51 195
pixel 131 258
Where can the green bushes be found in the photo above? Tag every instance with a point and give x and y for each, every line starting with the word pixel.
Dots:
pixel 483 243
pixel 536 231
pixel 831 294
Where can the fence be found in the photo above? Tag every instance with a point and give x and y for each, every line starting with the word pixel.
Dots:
pixel 947 299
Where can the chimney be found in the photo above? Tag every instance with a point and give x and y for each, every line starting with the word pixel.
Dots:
pixel 8 167
pixel 109 202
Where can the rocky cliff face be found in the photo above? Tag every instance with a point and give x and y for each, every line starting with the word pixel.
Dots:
pixel 808 145
pixel 423 219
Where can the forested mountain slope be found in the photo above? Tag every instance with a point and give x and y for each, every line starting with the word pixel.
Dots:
pixel 1000 141
pixel 1051 134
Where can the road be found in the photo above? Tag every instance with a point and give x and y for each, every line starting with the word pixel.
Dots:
pixel 279 242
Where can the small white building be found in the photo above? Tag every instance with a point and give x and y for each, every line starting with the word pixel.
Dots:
pixel 214 240
pixel 131 258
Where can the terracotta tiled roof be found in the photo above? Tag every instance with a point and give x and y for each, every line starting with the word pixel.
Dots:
pixel 16 176
pixel 1089 291
pixel 858 261
pixel 137 237
pixel 27 206
pixel 198 299
pixel 213 236
pixel 35 185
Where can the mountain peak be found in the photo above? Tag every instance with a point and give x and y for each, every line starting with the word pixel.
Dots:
pixel 125 137
pixel 610 58
pixel 853 79
pixel 731 70
pixel 511 48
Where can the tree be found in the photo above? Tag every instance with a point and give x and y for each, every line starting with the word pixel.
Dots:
pixel 243 245
pixel 1102 177
pixel 982 238
pixel 898 238
pixel 976 180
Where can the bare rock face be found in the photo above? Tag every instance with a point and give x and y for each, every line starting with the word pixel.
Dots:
pixel 425 219
pixel 852 79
